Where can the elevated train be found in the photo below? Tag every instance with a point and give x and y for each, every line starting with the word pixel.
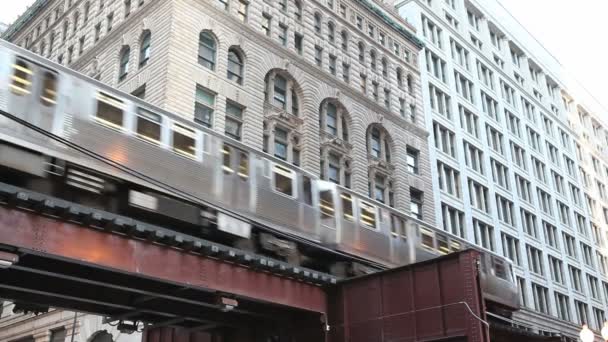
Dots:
pixel 151 164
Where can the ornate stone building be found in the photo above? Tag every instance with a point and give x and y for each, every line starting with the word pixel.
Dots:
pixel 332 86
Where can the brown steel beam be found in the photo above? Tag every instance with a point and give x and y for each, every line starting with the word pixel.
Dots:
pixel 141 258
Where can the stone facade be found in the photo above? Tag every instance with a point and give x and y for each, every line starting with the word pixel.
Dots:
pixel 57 326
pixel 357 55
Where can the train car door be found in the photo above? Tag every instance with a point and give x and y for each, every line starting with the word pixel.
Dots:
pixel 32 93
pixel 236 177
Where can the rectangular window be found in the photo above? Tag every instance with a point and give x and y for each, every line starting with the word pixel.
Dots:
pixel 500 174
pixel 469 121
pixel 266 24
pixel 576 278
pixel 148 126
pixel 431 32
pixel 435 66
pixel 550 234
pixel 110 19
pixel 204 106
pixel 449 179
pixel 544 200
pixel 412 160
pixel 518 155
pixel 332 65
pixel 346 72
pixel 556 267
pixel 440 102
pixel 485 75
pixel 539 170
pixel 319 56
pixel 297 43
pixel 234 120
pixel 569 245
pixel 484 234
pixel 459 54
pixel 528 222
pixel 581 312
pixel 479 196
pixel 283 34
pixel 505 210
pixel 535 260
pixel 495 139
pixel 452 219
pixel 243 10
pixel 562 306
pixel 541 298
pixel 524 188
pixel 473 157
pixel 510 248
pixel 489 106
pixel 444 140
pixel 464 87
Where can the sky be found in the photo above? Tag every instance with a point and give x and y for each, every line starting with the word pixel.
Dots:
pixel 574 32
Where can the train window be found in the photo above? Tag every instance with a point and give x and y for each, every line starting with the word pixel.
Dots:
pixel 148 126
pixel 499 268
pixel 442 244
pixel 226 157
pixel 307 188
pixel 368 215
pixel 347 207
pixel 184 140
pixel 326 203
pixel 283 180
pixel 243 165
pixel 21 78
pixel 455 246
pixel 109 110
pixel 49 90
pixel 426 238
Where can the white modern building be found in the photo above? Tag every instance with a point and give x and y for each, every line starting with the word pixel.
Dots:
pixel 519 165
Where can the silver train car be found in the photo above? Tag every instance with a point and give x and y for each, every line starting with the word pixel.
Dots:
pixel 277 201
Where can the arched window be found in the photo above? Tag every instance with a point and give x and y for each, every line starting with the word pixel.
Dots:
pixel 144 48
pixel 298 10
pixel 400 77
pixel 361 52
pixel 281 132
pixel 335 149
pixel 384 68
pixel 331 32
pixel 318 23
pixel 344 37
pixel 207 49
pixel 235 66
pixel 124 63
pixel 372 62
pixel 280 92
pixel 378 144
pixel 379 155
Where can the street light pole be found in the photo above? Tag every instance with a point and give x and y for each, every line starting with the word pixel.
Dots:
pixel 604 331
pixel 586 334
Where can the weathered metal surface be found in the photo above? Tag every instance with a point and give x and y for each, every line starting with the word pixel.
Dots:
pixel 421 302
pixel 143 258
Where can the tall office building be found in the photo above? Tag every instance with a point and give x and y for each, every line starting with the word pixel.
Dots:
pixel 519 165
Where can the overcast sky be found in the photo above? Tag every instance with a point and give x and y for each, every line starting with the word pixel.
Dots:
pixel 575 33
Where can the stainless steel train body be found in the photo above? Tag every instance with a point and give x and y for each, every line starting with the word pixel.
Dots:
pixel 195 160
